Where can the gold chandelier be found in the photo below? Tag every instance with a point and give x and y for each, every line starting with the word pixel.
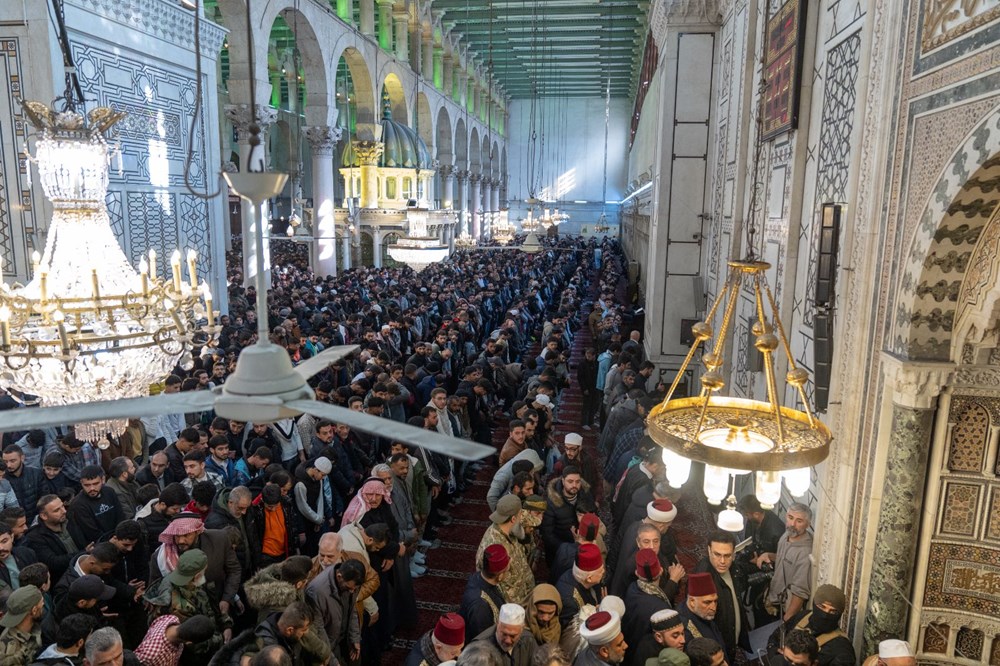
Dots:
pixel 736 435
pixel 88 326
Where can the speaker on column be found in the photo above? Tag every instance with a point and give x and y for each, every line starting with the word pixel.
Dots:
pixel 824 300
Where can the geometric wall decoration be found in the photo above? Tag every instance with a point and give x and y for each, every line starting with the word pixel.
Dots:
pixel 963 577
pixel 995 652
pixel 936 638
pixel 969 437
pixel 969 644
pixel 993 526
pixel 961 504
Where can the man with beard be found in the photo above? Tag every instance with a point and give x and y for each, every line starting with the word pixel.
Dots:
pixel 121 481
pixel 357 543
pixel 515 441
pixel 822 622
pixel 333 595
pixel 730 614
pixel 605 641
pixel 94 512
pixel 442 643
pixel 12 559
pixel 186 532
pixel 564 493
pixel 49 539
pixel 509 636
pixel 543 614
pixel 699 611
pixel 23 479
pixel 892 652
pixel 21 639
pixel 573 455
pixel 644 597
pixel 791 584
pixel 667 632
pixel 504 525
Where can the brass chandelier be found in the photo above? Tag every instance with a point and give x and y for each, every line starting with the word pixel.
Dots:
pixel 733 435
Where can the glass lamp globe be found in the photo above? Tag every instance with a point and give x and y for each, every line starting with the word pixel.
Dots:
pixel 768 489
pixel 798 480
pixel 678 468
pixel 716 484
pixel 730 519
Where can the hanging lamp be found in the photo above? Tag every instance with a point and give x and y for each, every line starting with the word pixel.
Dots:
pixel 733 435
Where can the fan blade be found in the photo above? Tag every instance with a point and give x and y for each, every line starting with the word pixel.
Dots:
pixel 173 403
pixel 394 430
pixel 322 360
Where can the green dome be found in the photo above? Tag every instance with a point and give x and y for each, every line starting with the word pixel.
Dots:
pixel 403 147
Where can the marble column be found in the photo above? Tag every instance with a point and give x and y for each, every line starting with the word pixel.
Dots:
pixel 368 153
pixel 376 248
pixel 427 57
pixel 345 10
pixel 475 202
pixel 439 68
pixel 345 250
pixel 495 194
pixel 487 192
pixel 462 196
pixel 915 388
pixel 447 68
pixel 447 185
pixel 242 118
pixel 366 17
pixel 401 22
pixel 417 50
pixel 385 24
pixel 323 142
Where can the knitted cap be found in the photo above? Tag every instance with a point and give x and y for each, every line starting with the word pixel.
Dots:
pixel 665 619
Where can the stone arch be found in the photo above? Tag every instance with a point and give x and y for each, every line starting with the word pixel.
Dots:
pixel 361 82
pixel 443 136
pixel 233 14
pixel 425 122
pixel 976 332
pixel 397 98
pixel 961 204
pixel 461 145
pixel 475 151
pixel 302 21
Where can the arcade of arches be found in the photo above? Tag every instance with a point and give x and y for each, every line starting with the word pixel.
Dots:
pixel 876 203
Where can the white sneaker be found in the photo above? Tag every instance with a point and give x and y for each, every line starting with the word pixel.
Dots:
pixel 417 571
pixel 420 558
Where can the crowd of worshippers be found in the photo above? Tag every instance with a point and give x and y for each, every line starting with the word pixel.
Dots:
pixel 191 539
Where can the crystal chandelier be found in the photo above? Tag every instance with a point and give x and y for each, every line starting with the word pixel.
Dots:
pixel 503 230
pixel 601 227
pixel 88 326
pixel 465 241
pixel 529 224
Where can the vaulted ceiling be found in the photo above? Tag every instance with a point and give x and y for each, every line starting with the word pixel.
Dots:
pixel 553 47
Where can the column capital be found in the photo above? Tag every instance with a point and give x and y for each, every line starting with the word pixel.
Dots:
pixel 446 170
pixel 322 138
pixel 915 384
pixel 368 152
pixel 462 175
pixel 242 118
pixel 475 177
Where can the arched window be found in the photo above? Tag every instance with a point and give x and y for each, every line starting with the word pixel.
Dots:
pixel 407 188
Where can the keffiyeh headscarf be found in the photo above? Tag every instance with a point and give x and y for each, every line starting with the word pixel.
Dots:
pixel 167 555
pixel 359 506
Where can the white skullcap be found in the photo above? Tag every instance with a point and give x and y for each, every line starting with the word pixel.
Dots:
pixel 601 628
pixel 573 439
pixel 542 399
pixel 612 603
pixel 323 464
pixel 511 614
pixel 894 648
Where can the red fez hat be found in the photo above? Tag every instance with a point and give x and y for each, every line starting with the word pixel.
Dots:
pixel 701 585
pixel 495 559
pixel 588 558
pixel 598 620
pixel 450 629
pixel 589 526
pixel 647 565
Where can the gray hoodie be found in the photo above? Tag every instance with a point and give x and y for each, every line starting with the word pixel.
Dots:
pixel 504 475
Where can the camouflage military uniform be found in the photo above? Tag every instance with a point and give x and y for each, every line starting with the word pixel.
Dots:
pixel 19 648
pixel 519 581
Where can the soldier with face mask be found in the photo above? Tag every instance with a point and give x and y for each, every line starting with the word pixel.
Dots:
pixel 822 621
